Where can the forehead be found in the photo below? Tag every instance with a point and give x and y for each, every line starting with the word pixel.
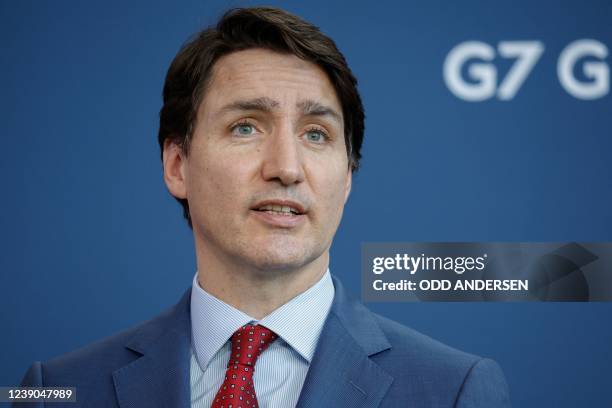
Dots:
pixel 257 73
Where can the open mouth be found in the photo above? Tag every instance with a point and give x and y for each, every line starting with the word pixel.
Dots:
pixel 279 210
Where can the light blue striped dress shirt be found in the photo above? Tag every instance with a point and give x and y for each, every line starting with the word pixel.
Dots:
pixel 281 369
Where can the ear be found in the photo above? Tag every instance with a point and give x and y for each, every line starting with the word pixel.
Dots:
pixel 174 169
pixel 349 184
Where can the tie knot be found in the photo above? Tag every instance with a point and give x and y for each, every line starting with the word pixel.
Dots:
pixel 248 342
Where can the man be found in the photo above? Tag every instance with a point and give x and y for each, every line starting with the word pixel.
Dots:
pixel 260 132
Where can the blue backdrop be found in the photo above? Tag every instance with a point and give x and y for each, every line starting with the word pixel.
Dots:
pixel 92 243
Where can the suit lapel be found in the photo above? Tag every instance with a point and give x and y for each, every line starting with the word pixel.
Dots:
pixel 160 377
pixel 341 372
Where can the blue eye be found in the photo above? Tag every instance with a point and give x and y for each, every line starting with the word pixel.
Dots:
pixel 243 129
pixel 315 135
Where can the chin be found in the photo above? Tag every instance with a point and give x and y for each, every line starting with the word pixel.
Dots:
pixel 282 258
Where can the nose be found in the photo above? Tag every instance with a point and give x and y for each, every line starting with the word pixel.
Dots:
pixel 283 159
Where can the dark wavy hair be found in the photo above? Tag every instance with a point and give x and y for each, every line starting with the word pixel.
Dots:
pixel 241 29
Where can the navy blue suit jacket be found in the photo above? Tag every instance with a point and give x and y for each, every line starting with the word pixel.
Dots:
pixel 361 360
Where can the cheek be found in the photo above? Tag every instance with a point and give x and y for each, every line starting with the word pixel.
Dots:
pixel 333 190
pixel 209 183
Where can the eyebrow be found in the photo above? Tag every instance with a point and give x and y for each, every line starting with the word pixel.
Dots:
pixel 265 104
pixel 313 108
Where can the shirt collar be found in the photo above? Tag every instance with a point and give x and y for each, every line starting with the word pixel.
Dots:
pixel 298 322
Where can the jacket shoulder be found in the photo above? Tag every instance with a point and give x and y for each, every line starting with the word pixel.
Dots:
pixel 97 360
pixel 435 374
pixel 411 344
pixel 101 356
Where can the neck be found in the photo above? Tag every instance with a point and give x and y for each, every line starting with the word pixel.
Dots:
pixel 253 291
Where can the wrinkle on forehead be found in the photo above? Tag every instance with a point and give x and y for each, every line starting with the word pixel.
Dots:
pixel 258 72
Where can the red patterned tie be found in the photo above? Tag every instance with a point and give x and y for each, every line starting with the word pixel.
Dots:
pixel 237 390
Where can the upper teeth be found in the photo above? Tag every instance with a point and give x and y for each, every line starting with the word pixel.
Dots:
pixel 278 208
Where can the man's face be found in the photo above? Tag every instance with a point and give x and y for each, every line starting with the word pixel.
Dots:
pixel 267 174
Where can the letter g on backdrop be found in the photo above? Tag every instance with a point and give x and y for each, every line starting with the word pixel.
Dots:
pixel 479 58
